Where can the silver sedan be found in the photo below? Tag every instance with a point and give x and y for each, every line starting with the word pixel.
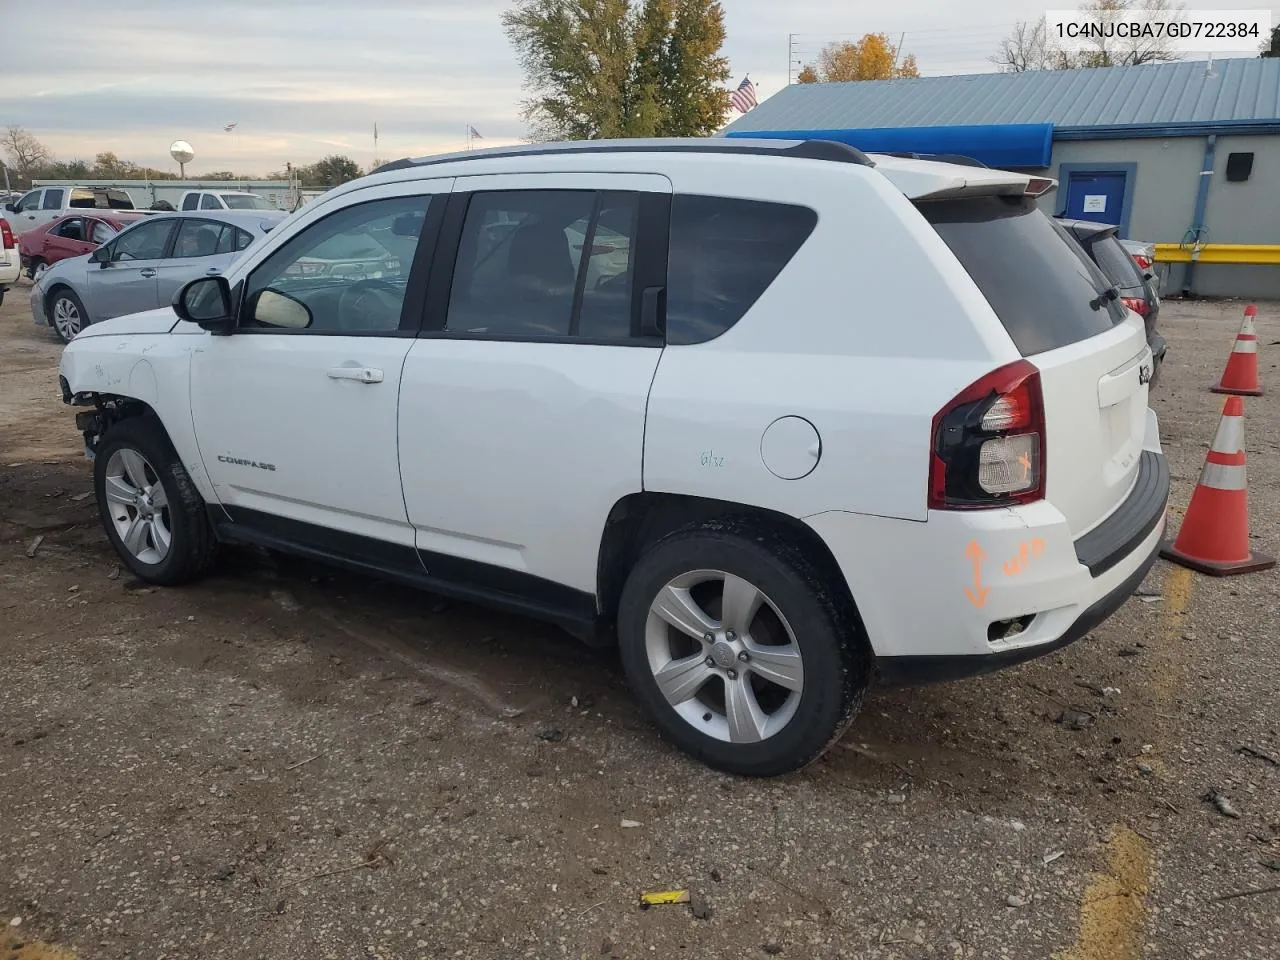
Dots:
pixel 143 266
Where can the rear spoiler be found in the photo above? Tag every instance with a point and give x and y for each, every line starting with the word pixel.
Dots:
pixel 935 179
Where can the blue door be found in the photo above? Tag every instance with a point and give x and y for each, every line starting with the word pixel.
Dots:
pixel 1097 196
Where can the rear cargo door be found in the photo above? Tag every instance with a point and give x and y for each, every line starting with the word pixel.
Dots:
pixel 1064 316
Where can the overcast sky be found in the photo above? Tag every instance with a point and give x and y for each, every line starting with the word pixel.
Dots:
pixel 304 78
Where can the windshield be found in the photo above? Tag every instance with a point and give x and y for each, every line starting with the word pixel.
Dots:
pixel 1039 281
pixel 239 201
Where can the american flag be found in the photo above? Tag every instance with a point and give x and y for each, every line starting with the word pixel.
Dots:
pixel 744 98
pixel 230 126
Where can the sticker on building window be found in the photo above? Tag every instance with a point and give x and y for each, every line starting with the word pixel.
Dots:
pixel 1095 203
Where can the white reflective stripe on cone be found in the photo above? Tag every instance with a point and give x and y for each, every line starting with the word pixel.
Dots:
pixel 1247 326
pixel 1221 477
pixel 1230 436
pixel 1245 346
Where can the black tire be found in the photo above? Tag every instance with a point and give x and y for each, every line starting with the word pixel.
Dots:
pixel 32 267
pixel 833 645
pixel 66 293
pixel 193 548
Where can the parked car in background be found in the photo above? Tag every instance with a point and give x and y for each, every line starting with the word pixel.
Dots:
pixel 71 236
pixel 143 266
pixel 224 200
pixel 622 385
pixel 46 204
pixel 10 261
pixel 1136 287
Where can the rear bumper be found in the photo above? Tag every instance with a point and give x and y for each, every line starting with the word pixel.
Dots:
pixel 39 315
pixel 969 592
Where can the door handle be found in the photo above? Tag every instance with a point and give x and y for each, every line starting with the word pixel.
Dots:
pixel 360 374
pixel 147 272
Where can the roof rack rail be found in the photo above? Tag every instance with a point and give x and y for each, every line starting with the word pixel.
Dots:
pixel 827 150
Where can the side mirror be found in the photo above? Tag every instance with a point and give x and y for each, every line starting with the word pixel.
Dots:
pixel 276 309
pixel 206 302
pixel 101 256
pixel 12 208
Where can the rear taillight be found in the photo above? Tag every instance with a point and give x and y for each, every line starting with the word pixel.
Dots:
pixel 6 235
pixel 1136 304
pixel 1143 262
pixel 988 443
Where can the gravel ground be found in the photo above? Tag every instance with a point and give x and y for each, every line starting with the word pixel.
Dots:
pixel 286 762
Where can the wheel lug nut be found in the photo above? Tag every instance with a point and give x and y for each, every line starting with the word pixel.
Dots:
pixel 708 638
pixel 744 656
pixel 730 635
pixel 732 674
pixel 710 662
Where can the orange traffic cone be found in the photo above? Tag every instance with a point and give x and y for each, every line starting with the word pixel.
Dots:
pixel 1241 376
pixel 1214 538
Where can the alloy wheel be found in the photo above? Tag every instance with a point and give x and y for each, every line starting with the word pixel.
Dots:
pixel 724 657
pixel 66 317
pixel 138 506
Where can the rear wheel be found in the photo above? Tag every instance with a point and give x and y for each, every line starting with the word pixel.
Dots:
pixel 66 313
pixel 36 269
pixel 153 514
pixel 742 656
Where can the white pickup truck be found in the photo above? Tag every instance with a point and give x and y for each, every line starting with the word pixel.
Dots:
pixel 46 204
pixel 224 200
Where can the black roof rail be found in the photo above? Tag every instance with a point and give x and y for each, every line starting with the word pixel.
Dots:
pixel 828 150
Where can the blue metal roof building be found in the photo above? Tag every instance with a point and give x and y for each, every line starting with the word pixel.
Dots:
pixel 1174 152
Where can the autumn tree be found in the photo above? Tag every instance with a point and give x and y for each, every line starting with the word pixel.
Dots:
pixel 621 68
pixel 1029 47
pixel 26 154
pixel 871 58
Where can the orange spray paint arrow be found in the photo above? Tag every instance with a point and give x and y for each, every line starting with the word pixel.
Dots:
pixel 978 593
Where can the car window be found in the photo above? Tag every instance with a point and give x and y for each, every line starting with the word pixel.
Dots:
pixel 517 267
pixel 349 271
pixel 605 313
pixel 143 241
pixel 1014 253
pixel 84 198
pixel 1116 263
pixel 71 229
pixel 53 198
pixel 191 201
pixel 198 238
pixel 233 239
pixel 724 254
pixel 102 232
pixel 209 202
pixel 30 202
pixel 241 202
pixel 119 200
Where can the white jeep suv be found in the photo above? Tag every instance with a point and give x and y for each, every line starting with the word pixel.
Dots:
pixel 777 418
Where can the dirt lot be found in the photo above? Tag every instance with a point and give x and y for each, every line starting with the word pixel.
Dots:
pixel 282 762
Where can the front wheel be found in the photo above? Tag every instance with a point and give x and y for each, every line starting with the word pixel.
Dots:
pixel 741 654
pixel 154 516
pixel 67 314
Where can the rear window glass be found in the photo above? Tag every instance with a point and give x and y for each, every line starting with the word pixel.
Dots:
pixel 724 254
pixel 1041 284
pixel 1116 263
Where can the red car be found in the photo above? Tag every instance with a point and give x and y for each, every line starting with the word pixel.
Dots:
pixel 70 236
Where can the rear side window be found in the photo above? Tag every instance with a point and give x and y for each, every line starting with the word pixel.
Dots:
pixel 119 200
pixel 53 199
pixel 724 254
pixel 209 202
pixel 191 201
pixel 1039 282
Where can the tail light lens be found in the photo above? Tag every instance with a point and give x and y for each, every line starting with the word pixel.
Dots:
pixel 1141 261
pixel 1136 304
pixel 6 235
pixel 988 443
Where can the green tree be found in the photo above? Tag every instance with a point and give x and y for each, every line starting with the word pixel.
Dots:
pixel 332 171
pixel 1273 48
pixel 621 68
